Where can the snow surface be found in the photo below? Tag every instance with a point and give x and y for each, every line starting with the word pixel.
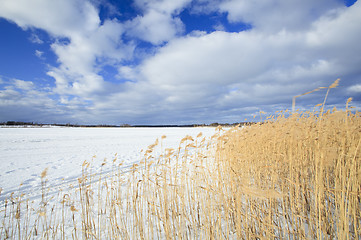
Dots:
pixel 26 152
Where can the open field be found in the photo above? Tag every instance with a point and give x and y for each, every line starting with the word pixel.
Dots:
pixel 294 176
pixel 26 152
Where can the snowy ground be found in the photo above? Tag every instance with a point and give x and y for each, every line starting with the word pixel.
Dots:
pixel 26 152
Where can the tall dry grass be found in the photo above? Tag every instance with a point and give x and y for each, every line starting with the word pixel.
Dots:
pixel 294 176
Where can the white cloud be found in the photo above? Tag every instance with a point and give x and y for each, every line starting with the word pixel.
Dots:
pixel 155 27
pixel 83 85
pixel 84 56
pixel 24 101
pixel 220 58
pixel 7 95
pixel 338 36
pixel 35 39
pixel 60 18
pixel 39 54
pixel 158 22
pixel 91 45
pixel 23 85
pixel 275 15
pixel 355 88
pixel 127 73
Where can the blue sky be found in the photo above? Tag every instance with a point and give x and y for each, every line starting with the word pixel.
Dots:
pixel 174 61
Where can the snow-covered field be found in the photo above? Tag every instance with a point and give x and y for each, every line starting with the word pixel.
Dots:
pixel 26 152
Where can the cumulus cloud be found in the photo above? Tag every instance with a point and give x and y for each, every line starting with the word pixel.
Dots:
pixel 59 18
pixel 90 43
pixel 158 22
pixel 275 15
pixel 337 36
pixel 219 57
pixel 155 27
pixel 81 53
pixel 221 67
pixel 85 55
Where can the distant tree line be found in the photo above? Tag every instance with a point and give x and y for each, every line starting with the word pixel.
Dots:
pixel 19 123
pixel 16 123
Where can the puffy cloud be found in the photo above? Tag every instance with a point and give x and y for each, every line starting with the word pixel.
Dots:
pixel 337 37
pixel 81 53
pixel 219 57
pixel 85 55
pixel 158 22
pixel 60 18
pixel 220 68
pixel 155 27
pixel 83 85
pixel 275 15
pixel 90 45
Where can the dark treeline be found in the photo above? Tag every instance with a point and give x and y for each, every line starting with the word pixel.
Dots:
pixel 17 123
